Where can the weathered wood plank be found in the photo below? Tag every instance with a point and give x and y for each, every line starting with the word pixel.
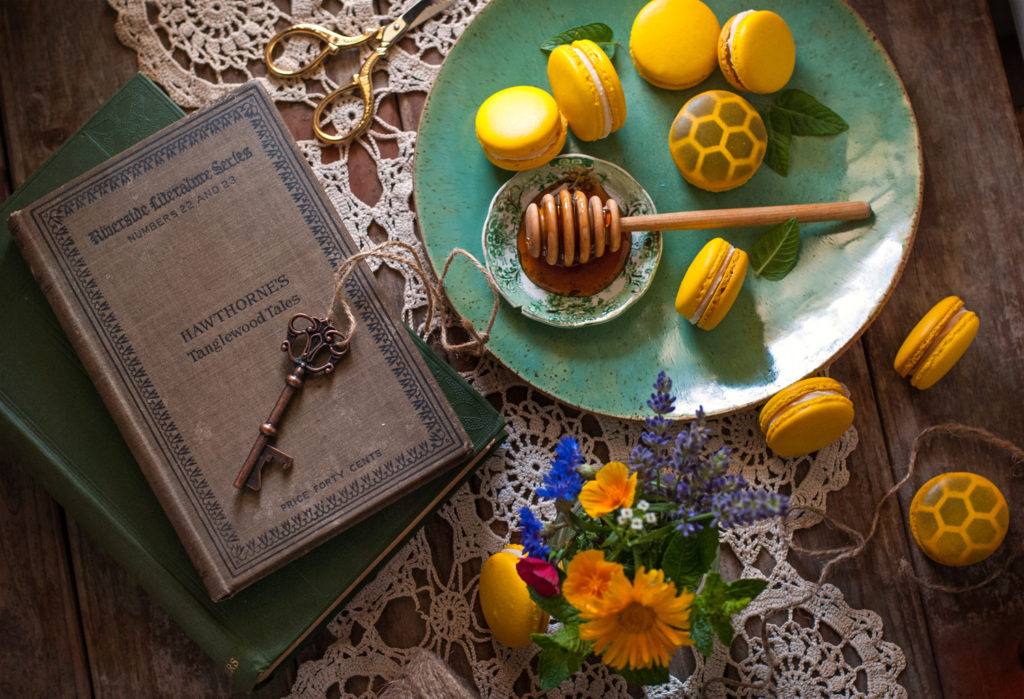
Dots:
pixel 42 652
pixel 968 244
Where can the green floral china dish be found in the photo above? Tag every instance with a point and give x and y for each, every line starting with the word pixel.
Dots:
pixel 501 230
pixel 777 332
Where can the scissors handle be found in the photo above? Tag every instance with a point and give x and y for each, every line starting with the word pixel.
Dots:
pixel 360 82
pixel 332 42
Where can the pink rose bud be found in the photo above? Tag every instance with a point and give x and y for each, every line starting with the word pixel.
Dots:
pixel 540 575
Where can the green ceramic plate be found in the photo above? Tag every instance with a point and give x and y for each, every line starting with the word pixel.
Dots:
pixel 777 332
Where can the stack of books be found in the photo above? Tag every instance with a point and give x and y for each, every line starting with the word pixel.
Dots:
pixel 284 567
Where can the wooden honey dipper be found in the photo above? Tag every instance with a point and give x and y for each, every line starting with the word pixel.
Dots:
pixel 552 226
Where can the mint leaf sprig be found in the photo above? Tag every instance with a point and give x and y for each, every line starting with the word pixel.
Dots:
pixel 598 32
pixel 775 251
pixel 795 113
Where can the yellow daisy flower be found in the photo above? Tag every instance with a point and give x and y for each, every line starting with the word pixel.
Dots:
pixel 611 489
pixel 587 578
pixel 638 624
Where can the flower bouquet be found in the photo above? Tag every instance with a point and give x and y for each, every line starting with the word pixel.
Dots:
pixel 628 564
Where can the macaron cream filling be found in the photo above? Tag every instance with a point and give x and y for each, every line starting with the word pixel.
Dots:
pixel 807 397
pixel 733 26
pixel 713 288
pixel 595 79
pixel 939 337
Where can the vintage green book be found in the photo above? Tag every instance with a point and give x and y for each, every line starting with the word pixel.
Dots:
pixel 53 420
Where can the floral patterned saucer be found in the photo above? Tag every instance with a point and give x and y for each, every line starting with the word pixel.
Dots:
pixel 501 229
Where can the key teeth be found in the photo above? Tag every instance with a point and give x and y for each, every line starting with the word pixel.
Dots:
pixel 554 226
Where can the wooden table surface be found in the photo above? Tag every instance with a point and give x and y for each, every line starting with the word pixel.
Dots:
pixel 72 623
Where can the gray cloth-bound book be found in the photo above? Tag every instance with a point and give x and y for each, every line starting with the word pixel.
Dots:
pixel 174 269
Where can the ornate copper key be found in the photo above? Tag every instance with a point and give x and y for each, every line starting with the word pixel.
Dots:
pixel 314 346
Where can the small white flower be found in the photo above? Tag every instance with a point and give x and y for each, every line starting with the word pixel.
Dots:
pixel 626 512
pixel 637 524
pixel 643 506
pixel 651 518
pixel 622 519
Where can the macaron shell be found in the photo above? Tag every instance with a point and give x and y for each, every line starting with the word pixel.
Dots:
pixel 924 333
pixel 699 275
pixel 673 43
pixel 948 352
pixel 520 128
pixel 801 429
pixel 762 54
pixel 810 426
pixel 505 600
pixel 726 293
pixel 577 95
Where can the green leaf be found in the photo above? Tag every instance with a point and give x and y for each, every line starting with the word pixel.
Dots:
pixel 646 675
pixel 776 251
pixel 807 116
pixel 556 663
pixel 555 605
pixel 780 136
pixel 701 633
pixel 688 558
pixel 745 588
pixel 598 32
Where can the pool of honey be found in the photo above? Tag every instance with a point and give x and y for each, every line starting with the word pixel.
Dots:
pixel 579 280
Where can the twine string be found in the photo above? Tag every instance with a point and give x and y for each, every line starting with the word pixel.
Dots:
pixel 406 255
pixel 839 554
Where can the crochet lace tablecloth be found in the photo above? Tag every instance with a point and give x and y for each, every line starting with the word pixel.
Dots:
pixel 199 49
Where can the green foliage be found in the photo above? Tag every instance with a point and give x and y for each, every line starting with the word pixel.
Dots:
pixel 647 675
pixel 795 113
pixel 598 32
pixel 807 116
pixel 776 251
pixel 711 611
pixel 688 558
pixel 556 606
pixel 780 136
pixel 561 654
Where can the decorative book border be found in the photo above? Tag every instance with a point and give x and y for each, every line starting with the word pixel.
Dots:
pixel 248 103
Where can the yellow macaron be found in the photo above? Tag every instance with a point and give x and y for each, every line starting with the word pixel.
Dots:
pixel 587 89
pixel 711 284
pixel 756 51
pixel 717 140
pixel 673 43
pixel 958 518
pixel 520 128
pixel 936 343
pixel 505 600
pixel 806 416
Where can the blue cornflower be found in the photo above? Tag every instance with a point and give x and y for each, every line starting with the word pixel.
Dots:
pixel 563 479
pixel 531 530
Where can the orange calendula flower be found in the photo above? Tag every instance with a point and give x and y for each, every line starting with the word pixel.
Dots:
pixel 587 578
pixel 638 624
pixel 611 489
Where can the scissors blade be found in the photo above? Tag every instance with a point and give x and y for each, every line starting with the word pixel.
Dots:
pixel 422 11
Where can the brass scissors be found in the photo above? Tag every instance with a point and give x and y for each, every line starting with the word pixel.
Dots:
pixel 333 42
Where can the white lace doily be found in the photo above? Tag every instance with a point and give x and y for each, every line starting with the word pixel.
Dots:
pixel 199 49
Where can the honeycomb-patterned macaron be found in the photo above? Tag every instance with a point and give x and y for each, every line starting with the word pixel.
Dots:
pixel 717 140
pixel 958 518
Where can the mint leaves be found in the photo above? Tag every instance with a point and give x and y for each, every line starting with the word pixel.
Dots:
pixel 598 32
pixel 795 113
pixel 711 611
pixel 776 251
